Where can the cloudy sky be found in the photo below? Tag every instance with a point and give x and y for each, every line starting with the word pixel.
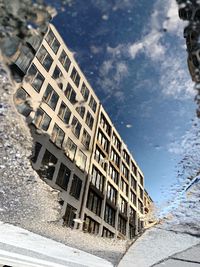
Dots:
pixel 134 56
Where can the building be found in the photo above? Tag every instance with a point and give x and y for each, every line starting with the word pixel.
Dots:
pixel 149 216
pixel 77 148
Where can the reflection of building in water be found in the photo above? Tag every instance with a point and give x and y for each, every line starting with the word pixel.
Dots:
pixel 77 149
pixel 149 216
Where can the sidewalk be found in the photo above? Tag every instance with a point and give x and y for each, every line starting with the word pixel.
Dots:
pixel 159 247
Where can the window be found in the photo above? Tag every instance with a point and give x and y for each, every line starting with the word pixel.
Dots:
pixel 85 92
pixel 81 111
pixel 86 139
pixel 131 231
pixel 107 233
pixel 70 149
pixel 113 174
pixel 125 171
pixel 123 205
pixel 111 193
pixel 105 125
pixel 115 157
pixel 132 215
pixel 109 215
pixel 102 140
pixel 37 149
pixel 76 127
pixel 122 225
pixel 50 97
pixel 140 206
pixel 75 77
pixel 133 182
pixel 41 120
pixel 52 41
pixel 56 75
pixel 91 226
pixel 21 101
pixel 70 94
pixel 75 189
pixel 134 168
pixel 116 142
pixel 69 216
pixel 35 78
pixel 64 60
pixel 94 203
pixel 141 192
pixel 100 158
pixel 97 179
pixel 126 156
pixel 63 176
pixel 133 197
pixel 124 187
pixel 89 120
pixel 57 135
pixel 44 58
pixel 81 160
pixel 93 104
pixel 141 179
pixel 64 113
pixel 48 165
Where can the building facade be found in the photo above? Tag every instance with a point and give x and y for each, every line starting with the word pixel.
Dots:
pixel 77 148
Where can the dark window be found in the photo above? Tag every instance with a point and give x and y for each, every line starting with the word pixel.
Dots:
pixel 64 113
pixel 21 99
pixel 124 187
pixel 126 156
pixel 41 120
pixel 122 225
pixel 134 168
pixel 116 142
pixel 111 193
pixel 100 158
pixel 37 149
pixel 133 197
pixel 123 205
pixel 35 78
pixel 94 203
pixel 93 104
pixel 75 189
pixel 141 193
pixel 105 125
pixel 75 77
pixel 125 171
pixel 89 120
pixel 132 215
pixel 91 226
pixel 102 140
pixel 64 60
pixel 141 179
pixel 140 206
pixel 57 74
pixel 69 216
pixel 50 97
pixel 115 157
pixel 44 58
pixel 57 135
pixel 131 231
pixel 52 41
pixel 85 92
pixel 97 179
pixel 76 127
pixel 70 94
pixel 86 139
pixel 114 174
pixel 109 215
pixel 81 160
pixel 81 111
pixel 70 149
pixel 63 176
pixel 48 165
pixel 133 182
pixel 107 233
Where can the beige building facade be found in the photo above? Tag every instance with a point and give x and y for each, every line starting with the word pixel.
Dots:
pixel 77 148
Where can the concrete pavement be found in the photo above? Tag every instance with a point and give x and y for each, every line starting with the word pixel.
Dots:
pixel 160 247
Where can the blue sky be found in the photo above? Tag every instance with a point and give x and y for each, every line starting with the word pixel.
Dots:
pixel 134 56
